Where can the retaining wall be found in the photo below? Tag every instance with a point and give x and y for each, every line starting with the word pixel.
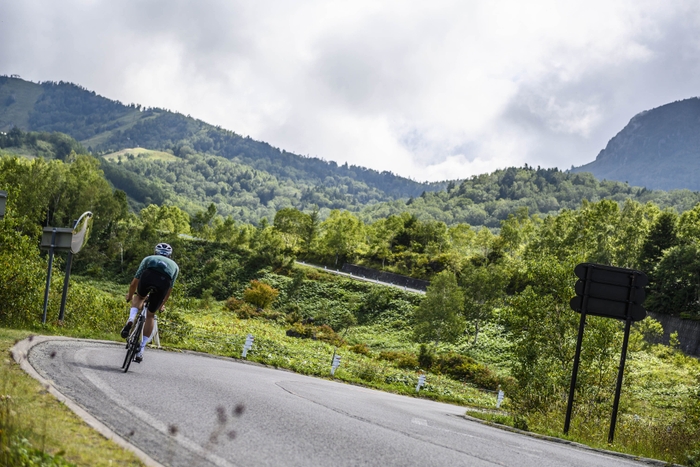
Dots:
pixel 391 278
pixel 688 332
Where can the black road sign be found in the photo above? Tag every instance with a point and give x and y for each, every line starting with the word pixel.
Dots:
pixel 612 292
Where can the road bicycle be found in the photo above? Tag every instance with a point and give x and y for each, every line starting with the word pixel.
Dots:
pixel 133 342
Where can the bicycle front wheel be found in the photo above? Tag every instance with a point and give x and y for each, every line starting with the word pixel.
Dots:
pixel 134 345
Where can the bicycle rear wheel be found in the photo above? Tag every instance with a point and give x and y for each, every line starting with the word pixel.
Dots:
pixel 134 344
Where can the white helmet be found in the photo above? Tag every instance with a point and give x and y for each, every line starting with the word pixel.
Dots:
pixel 164 249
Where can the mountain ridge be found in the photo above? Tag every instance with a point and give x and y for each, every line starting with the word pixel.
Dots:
pixel 105 125
pixel 658 149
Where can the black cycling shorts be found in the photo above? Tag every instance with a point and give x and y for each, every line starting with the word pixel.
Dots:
pixel 156 284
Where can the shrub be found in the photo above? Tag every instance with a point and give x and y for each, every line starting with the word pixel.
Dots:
pixel 242 309
pixel 368 371
pixel 362 349
pixel 172 326
pixel 463 368
pixel 309 331
pixel 426 356
pixel 233 304
pixel 327 334
pixel 260 294
pixel 272 315
pixel 404 360
pixel 22 276
pixel 300 330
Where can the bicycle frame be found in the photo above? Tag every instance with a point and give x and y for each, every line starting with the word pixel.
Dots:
pixel 133 343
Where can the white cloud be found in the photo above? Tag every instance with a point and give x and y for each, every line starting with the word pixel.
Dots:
pixel 430 90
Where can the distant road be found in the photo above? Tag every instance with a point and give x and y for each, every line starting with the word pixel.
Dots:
pixel 359 278
pixel 168 404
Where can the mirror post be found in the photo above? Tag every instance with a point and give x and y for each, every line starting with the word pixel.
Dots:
pixel 48 275
pixel 69 263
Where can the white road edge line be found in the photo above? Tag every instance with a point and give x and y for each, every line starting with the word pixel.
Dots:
pixel 143 415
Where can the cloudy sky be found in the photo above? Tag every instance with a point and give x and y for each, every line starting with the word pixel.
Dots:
pixel 431 90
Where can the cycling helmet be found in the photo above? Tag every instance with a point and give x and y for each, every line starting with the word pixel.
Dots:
pixel 164 249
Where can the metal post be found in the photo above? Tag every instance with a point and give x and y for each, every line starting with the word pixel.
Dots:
pixel 66 281
pixel 3 202
pixel 623 357
pixel 69 263
pixel 48 275
pixel 577 357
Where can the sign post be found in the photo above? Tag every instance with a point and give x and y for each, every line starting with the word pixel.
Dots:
pixel 3 202
pixel 64 239
pixel 53 238
pixel 609 292
pixel 80 234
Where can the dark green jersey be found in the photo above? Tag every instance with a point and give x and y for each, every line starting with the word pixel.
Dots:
pixel 159 263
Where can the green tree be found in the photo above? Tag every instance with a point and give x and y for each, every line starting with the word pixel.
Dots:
pixel 543 331
pixel 662 236
pixel 311 232
pixel 342 235
pixel 201 221
pixel 484 289
pixel 293 226
pixel 382 237
pixel 689 224
pixel 31 185
pixel 439 317
pixel 166 219
pixel 676 287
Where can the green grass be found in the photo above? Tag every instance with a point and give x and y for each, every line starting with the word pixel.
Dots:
pixel 125 122
pixel 25 95
pixel 28 412
pixel 653 420
pixel 140 152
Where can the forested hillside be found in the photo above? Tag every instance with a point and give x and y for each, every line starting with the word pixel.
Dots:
pixel 195 180
pixel 104 126
pixel 249 180
pixel 488 199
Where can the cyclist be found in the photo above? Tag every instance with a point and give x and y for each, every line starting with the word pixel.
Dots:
pixel 155 276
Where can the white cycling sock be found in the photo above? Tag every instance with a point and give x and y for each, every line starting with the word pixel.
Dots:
pixel 146 340
pixel 132 313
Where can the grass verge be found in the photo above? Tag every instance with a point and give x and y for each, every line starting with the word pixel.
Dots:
pixel 38 430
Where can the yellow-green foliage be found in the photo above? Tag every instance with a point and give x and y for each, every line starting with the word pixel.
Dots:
pixel 139 152
pixel 260 294
pixel 21 276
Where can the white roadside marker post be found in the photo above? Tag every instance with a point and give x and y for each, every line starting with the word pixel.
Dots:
pixel 154 334
pixel 248 344
pixel 499 399
pixel 421 382
pixel 335 364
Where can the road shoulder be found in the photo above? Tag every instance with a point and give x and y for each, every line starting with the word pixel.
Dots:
pixel 20 353
pixel 552 439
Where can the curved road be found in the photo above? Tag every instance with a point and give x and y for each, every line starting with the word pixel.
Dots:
pixel 193 410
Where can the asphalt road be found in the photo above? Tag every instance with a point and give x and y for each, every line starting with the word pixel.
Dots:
pixel 192 410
